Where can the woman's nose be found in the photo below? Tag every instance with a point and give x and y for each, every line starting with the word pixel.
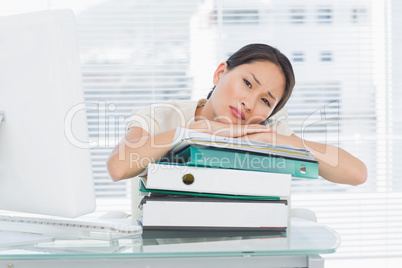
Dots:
pixel 245 107
pixel 248 104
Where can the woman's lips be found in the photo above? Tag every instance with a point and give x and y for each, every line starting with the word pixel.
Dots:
pixel 238 113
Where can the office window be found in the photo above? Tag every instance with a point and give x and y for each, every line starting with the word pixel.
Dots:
pixel 324 15
pixel 127 63
pixel 326 56
pixel 297 15
pixel 358 15
pixel 247 17
pixel 325 95
pixel 298 57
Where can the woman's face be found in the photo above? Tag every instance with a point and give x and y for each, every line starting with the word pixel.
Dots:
pixel 248 93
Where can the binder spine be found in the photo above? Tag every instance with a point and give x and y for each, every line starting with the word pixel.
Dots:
pixel 209 157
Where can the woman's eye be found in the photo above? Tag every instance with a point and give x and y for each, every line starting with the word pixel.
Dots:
pixel 247 83
pixel 266 102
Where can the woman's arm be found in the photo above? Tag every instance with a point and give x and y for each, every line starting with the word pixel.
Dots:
pixel 335 164
pixel 137 149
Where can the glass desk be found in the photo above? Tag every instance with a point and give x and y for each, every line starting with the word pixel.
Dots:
pixel 299 247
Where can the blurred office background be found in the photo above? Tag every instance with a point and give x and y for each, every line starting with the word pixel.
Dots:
pixel 347 59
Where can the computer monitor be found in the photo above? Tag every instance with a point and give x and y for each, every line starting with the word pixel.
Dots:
pixel 44 158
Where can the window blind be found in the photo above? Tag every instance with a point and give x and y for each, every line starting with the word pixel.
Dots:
pixel 133 53
pixel 347 63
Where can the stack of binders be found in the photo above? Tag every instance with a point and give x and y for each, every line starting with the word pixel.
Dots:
pixel 210 182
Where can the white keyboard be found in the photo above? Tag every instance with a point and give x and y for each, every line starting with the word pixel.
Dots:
pixel 104 229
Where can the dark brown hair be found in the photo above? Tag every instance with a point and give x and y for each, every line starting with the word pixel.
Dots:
pixel 262 52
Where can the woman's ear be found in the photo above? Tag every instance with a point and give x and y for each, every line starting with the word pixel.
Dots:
pixel 219 72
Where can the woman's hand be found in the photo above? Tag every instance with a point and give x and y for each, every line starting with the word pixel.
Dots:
pixel 260 137
pixel 229 130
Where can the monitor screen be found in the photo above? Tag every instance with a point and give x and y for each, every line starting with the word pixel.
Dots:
pixel 44 154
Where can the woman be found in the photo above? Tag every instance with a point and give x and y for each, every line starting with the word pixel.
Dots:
pixel 250 90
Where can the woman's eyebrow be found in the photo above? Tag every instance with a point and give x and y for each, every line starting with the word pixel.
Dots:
pixel 269 93
pixel 256 80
